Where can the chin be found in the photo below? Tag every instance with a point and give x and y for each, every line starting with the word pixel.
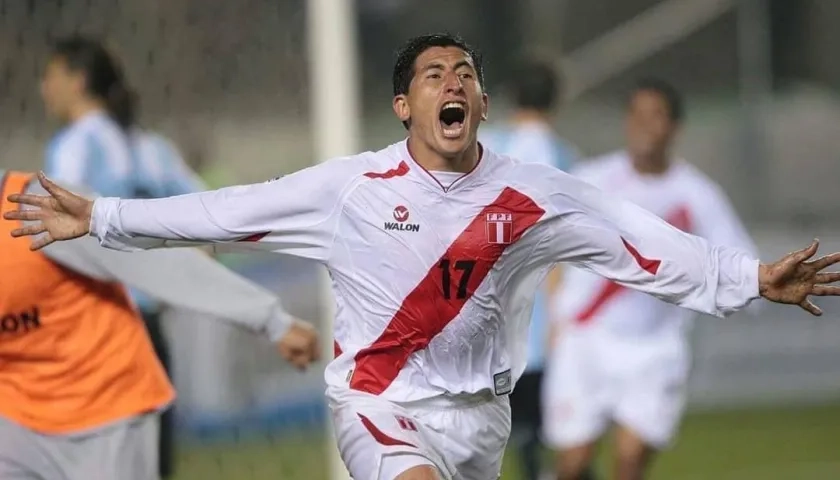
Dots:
pixel 452 146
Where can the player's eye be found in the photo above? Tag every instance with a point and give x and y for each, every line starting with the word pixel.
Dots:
pixel 467 75
pixel 434 75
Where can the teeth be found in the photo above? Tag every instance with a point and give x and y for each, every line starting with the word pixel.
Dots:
pixel 453 105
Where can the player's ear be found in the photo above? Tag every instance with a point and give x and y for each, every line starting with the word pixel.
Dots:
pixel 401 108
pixel 78 82
pixel 485 103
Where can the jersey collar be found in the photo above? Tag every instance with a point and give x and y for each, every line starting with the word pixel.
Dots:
pixel 426 177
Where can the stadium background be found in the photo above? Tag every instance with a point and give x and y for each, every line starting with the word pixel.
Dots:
pixel 230 83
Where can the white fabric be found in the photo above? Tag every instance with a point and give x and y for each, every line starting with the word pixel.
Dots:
pixel 344 212
pixel 379 439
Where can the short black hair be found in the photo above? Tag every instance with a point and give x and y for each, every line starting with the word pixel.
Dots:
pixel 414 47
pixel 669 93
pixel 536 85
pixel 104 75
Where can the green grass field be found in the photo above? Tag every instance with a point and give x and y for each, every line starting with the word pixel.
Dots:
pixel 800 443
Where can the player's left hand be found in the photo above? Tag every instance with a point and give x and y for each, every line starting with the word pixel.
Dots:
pixel 794 278
pixel 300 346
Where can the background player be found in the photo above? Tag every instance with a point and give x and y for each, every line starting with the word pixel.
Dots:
pixel 432 314
pixel 537 92
pixel 101 147
pixel 80 383
pixel 623 356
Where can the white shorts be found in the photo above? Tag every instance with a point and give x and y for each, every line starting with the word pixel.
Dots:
pixel 464 438
pixel 594 378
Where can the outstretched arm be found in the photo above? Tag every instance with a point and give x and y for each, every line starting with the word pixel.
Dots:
pixel 296 214
pixel 623 242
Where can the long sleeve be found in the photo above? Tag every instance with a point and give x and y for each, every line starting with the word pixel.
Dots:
pixel 625 243
pixel 296 215
pixel 184 278
pixel 720 224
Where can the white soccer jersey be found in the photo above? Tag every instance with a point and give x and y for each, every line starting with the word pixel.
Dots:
pixel 433 286
pixel 683 197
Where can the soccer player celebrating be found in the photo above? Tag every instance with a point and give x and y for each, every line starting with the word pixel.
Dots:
pixel 622 356
pixel 82 390
pixel 435 247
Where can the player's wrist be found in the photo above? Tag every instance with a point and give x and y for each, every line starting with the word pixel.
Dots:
pixel 279 324
pixel 764 277
pixel 94 211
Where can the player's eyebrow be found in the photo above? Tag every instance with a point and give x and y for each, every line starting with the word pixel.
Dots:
pixel 463 63
pixel 440 66
pixel 434 66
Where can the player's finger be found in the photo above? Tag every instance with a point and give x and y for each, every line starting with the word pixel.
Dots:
pixel 825 261
pixel 825 291
pixel 41 242
pixel 828 277
pixel 811 308
pixel 42 201
pixel 26 215
pixel 29 230
pixel 801 255
pixel 50 186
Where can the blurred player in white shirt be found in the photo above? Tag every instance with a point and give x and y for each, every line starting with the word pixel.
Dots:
pixel 528 134
pixel 435 247
pixel 622 357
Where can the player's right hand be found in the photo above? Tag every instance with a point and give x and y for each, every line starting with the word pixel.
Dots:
pixel 61 215
pixel 300 346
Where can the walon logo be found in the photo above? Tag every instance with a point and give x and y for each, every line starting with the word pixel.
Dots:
pixel 401 216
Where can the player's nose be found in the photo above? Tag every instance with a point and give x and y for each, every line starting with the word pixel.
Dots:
pixel 453 83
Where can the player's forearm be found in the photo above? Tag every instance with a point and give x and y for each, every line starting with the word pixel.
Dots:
pixel 627 244
pixel 175 221
pixel 185 278
pixel 221 293
pixel 727 281
pixel 189 279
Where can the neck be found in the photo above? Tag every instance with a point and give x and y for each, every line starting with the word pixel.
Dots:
pixel 433 161
pixel 521 117
pixel 83 108
pixel 656 164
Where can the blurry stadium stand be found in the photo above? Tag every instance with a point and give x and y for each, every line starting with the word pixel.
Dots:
pixel 228 81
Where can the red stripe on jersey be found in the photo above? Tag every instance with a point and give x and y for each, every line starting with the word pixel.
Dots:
pixel 651 266
pixel 336 349
pixel 401 170
pixel 680 218
pixel 254 238
pixel 381 437
pixel 427 309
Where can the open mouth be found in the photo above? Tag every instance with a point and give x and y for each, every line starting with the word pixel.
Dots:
pixel 452 117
